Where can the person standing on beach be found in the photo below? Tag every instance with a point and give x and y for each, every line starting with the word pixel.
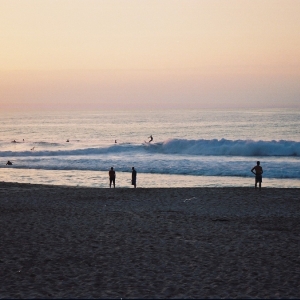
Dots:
pixel 112 177
pixel 133 177
pixel 258 174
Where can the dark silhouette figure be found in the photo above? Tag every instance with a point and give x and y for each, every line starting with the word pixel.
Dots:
pixel 133 177
pixel 9 163
pixel 112 177
pixel 151 138
pixel 258 174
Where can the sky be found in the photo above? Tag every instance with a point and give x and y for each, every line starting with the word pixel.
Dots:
pixel 149 54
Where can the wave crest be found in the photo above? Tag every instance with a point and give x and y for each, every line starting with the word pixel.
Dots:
pixel 225 147
pixel 199 147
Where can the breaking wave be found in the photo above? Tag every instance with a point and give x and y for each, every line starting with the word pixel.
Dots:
pixel 202 147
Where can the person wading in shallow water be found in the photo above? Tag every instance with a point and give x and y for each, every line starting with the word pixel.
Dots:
pixel 112 177
pixel 133 177
pixel 258 174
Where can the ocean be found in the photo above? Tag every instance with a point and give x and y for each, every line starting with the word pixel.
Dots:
pixel 190 148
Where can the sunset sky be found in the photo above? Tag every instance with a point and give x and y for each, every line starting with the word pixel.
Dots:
pixel 149 54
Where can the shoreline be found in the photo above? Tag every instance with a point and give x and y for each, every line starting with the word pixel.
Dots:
pixel 99 179
pixel 7 184
pixel 84 242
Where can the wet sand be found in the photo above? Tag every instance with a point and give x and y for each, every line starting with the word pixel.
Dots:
pixel 68 242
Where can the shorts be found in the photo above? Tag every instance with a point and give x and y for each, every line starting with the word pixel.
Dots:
pixel 258 178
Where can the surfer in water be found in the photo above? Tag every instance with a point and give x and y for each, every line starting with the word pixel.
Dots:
pixel 9 163
pixel 258 174
pixel 151 138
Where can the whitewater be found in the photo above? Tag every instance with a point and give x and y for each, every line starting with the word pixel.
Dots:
pixel 190 148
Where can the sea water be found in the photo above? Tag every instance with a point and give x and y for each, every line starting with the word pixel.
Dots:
pixel 190 148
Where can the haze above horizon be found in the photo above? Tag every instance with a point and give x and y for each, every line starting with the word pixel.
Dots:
pixel 152 54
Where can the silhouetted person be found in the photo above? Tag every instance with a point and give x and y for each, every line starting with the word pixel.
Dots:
pixel 151 138
pixel 133 177
pixel 112 177
pixel 14 141
pixel 258 174
pixel 115 141
pixel 9 163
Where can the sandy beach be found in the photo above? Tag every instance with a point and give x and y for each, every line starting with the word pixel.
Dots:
pixel 68 242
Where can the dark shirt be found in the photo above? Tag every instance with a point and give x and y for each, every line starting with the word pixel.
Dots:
pixel 133 174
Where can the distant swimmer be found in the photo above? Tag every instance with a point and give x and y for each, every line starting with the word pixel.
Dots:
pixel 9 163
pixel 112 177
pixel 151 138
pixel 258 174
